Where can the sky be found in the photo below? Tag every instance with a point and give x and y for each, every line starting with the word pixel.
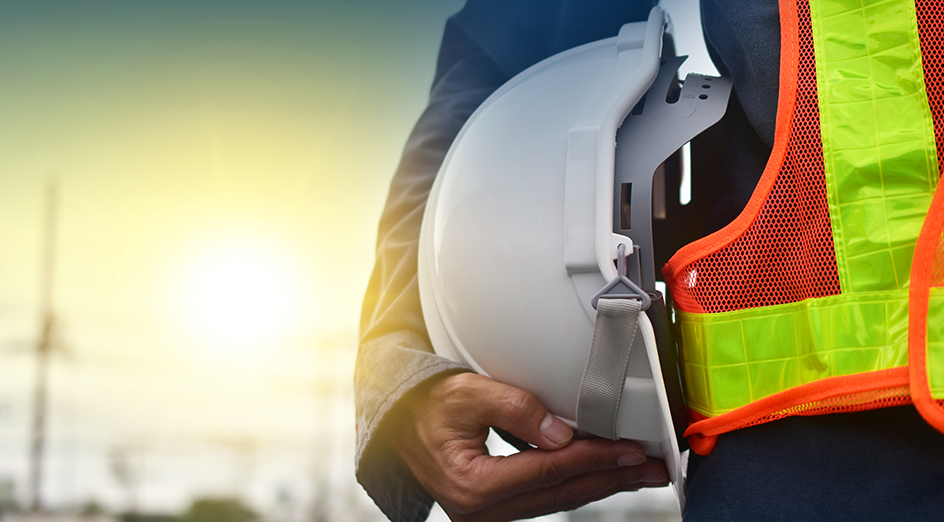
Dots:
pixel 220 170
pixel 171 127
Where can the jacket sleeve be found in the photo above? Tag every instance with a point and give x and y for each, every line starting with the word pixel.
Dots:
pixel 394 354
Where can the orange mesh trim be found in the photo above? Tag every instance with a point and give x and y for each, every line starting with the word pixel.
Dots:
pixel 870 400
pixel 930 14
pixel 860 401
pixel 780 249
pixel 926 253
pixel 937 268
pixel 927 268
pixel 700 444
pixel 848 393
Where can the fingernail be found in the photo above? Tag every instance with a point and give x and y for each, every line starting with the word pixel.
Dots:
pixel 631 459
pixel 556 430
pixel 654 478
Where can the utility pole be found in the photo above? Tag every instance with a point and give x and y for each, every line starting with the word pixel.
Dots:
pixel 45 345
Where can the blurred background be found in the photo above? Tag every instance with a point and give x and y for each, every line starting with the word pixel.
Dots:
pixel 189 194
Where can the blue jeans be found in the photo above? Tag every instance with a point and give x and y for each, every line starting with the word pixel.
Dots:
pixel 884 464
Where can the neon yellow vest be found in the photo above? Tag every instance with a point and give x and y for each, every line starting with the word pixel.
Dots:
pixel 817 296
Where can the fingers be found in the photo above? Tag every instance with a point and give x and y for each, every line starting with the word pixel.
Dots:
pixel 521 414
pixel 505 477
pixel 487 402
pixel 580 491
pixel 441 439
pixel 571 494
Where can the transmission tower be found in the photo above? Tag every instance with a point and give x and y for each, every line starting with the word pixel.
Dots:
pixel 46 344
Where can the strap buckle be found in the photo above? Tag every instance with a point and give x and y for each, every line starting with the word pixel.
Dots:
pixel 622 287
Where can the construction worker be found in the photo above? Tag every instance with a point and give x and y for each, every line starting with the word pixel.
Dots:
pixel 422 420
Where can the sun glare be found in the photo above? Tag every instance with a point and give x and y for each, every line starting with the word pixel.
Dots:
pixel 240 299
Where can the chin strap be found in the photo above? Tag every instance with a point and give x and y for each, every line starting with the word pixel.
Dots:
pixel 602 384
pixel 618 306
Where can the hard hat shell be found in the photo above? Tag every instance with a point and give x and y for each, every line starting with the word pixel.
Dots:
pixel 512 249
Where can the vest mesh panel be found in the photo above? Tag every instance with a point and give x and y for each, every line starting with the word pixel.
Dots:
pixel 930 15
pixel 787 253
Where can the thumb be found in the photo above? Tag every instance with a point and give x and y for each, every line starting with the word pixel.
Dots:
pixel 522 414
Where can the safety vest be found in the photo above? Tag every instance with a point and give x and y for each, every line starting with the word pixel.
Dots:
pixel 826 294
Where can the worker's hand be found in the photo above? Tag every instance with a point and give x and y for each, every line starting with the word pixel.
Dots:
pixel 442 440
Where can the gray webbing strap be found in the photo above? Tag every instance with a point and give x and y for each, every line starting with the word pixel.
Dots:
pixel 602 383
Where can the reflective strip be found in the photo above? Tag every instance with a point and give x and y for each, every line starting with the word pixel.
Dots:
pixel 878 137
pixel 935 343
pixel 731 359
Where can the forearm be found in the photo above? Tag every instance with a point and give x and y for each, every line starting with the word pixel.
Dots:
pixel 395 355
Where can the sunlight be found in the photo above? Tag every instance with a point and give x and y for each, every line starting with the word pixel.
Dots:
pixel 240 298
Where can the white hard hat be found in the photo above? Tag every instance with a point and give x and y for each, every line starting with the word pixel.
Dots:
pixel 531 208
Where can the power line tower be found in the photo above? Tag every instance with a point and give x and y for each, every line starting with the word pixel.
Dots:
pixel 48 342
